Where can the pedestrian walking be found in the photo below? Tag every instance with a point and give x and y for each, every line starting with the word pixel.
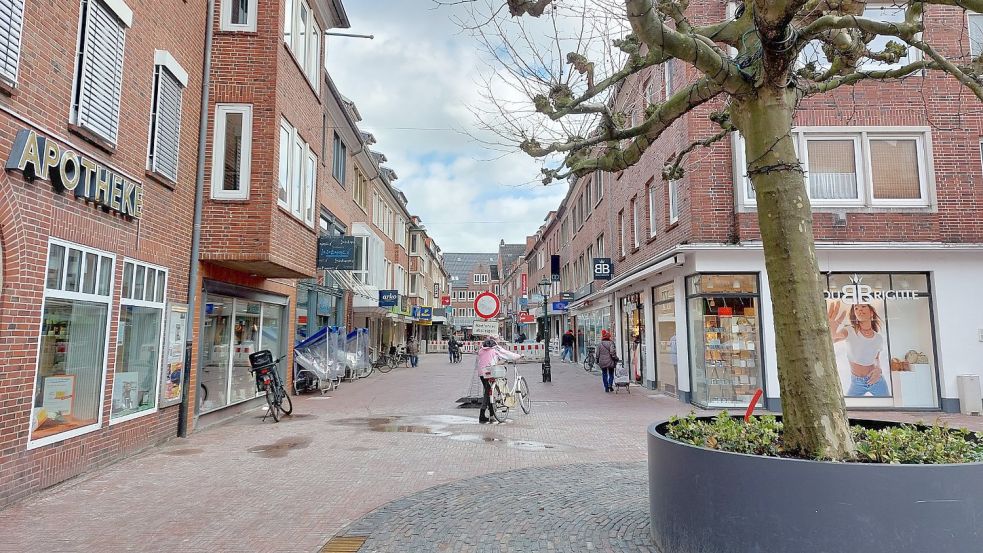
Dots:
pixel 489 355
pixel 452 346
pixel 413 351
pixel 567 343
pixel 607 358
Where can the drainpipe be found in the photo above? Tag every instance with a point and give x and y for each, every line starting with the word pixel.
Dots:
pixel 182 426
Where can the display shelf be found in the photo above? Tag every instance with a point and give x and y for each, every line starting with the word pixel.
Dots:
pixel 730 357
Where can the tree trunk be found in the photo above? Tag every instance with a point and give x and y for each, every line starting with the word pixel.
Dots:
pixel 814 412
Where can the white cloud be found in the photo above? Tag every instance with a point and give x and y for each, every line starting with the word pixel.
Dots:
pixel 422 72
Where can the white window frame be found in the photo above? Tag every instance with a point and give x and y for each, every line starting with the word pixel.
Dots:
pixel 218 151
pixel 226 21
pixel 17 40
pixel 634 224
pixel 80 296
pixel 599 186
pixel 673 201
pixel 667 77
pixel 622 251
pixel 306 55
pixel 306 179
pixel 163 60
pixel 653 219
pixel 162 306
pixel 970 25
pixel 802 141
pixel 124 16
pixel 922 135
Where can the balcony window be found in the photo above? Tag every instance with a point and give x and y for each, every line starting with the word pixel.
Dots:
pixel 232 151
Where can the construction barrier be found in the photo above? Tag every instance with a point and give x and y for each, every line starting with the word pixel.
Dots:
pixel 530 351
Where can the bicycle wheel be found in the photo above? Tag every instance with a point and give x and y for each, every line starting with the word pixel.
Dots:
pixel 386 365
pixel 589 363
pixel 285 403
pixel 366 371
pixel 271 403
pixel 522 389
pixel 498 399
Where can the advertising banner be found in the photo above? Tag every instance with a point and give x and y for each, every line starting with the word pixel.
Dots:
pixel 336 253
pixel 603 267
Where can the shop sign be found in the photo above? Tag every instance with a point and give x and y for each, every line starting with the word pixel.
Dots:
pixel 336 253
pixel 858 293
pixel 561 306
pixel 526 318
pixel 524 302
pixel 445 300
pixel 555 268
pixel 324 305
pixel 388 298
pixel 436 291
pixel 566 296
pixel 524 284
pixel 425 323
pixel 425 313
pixel 38 157
pixel 603 267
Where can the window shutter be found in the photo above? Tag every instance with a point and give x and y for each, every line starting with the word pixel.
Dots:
pixel 102 72
pixel 167 125
pixel 11 24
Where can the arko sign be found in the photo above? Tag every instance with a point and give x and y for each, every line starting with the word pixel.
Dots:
pixel 388 298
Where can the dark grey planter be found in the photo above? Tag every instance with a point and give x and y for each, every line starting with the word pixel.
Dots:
pixel 707 501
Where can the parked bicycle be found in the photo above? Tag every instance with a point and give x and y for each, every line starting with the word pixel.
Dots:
pixel 590 360
pixel 267 373
pixel 382 362
pixel 506 395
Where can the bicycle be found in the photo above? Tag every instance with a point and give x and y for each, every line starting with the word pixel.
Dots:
pixel 268 380
pixel 382 363
pixel 590 360
pixel 504 397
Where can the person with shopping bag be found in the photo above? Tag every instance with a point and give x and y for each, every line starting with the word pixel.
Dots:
pixel 607 358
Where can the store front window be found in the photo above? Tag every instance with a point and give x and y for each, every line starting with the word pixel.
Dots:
pixel 726 339
pixel 666 361
pixel 233 329
pixel 591 323
pixel 138 345
pixel 72 351
pixel 883 339
pixel 633 336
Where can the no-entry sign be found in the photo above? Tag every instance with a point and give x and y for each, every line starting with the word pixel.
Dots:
pixel 487 305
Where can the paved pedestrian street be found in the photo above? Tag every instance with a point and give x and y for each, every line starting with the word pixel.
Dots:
pixel 390 460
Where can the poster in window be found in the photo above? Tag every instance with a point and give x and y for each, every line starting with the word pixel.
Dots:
pixel 59 393
pixel 858 328
pixel 172 379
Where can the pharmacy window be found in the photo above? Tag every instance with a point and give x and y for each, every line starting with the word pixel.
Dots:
pixel 71 365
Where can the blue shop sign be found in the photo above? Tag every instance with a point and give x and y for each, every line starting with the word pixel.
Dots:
pixel 425 313
pixel 388 298
pixel 561 306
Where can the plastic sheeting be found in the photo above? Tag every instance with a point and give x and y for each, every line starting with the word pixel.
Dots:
pixel 332 354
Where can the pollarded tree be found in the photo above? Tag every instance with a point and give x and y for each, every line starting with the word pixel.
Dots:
pixel 751 65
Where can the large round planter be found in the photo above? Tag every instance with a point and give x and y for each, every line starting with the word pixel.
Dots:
pixel 707 501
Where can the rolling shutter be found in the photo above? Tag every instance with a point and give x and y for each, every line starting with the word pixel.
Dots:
pixel 166 125
pixel 11 26
pixel 101 76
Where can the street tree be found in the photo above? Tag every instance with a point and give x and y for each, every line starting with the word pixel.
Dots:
pixel 754 67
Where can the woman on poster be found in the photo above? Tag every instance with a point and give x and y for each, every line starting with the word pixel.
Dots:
pixel 864 346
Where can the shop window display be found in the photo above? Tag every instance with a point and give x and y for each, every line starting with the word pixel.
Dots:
pixel 725 337
pixel 881 326
pixel 666 361
pixel 72 349
pixel 633 336
pixel 235 328
pixel 138 345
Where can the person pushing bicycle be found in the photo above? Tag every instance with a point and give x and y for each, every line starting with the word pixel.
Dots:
pixel 489 355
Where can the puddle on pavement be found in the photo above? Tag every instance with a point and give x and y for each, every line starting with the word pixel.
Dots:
pixel 442 425
pixel 298 417
pixel 183 451
pixel 281 447
pixel 523 445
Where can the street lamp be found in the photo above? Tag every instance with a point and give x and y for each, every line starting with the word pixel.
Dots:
pixel 544 288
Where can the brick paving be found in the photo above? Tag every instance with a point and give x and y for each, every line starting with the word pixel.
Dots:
pixel 257 486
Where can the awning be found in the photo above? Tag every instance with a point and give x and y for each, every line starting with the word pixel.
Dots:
pixel 638 274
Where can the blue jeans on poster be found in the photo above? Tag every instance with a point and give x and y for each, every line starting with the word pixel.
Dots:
pixel 860 387
pixel 567 353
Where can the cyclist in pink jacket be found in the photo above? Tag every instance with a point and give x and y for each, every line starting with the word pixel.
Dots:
pixel 489 355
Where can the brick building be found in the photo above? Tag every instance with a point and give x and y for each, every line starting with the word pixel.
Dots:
pixel 894 175
pixel 100 132
pixel 470 275
pixel 99 113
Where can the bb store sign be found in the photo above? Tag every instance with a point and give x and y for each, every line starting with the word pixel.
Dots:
pixel 39 157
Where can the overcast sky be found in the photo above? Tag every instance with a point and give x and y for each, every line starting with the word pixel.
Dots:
pixel 420 73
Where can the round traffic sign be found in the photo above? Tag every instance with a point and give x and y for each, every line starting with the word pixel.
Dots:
pixel 487 305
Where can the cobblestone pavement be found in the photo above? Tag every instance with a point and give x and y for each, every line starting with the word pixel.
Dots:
pixel 570 508
pixel 257 486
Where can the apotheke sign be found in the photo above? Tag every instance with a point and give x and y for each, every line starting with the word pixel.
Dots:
pixel 38 157
pixel 858 293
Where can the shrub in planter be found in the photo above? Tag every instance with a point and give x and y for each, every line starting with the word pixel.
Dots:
pixel 720 485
